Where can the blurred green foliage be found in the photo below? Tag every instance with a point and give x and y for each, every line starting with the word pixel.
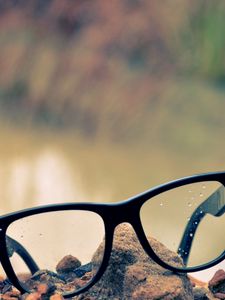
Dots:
pixel 118 69
pixel 205 38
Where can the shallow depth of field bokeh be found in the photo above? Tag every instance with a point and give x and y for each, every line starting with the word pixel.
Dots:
pixel 101 100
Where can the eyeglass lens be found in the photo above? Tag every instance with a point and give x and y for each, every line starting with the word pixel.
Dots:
pixel 62 244
pixel 166 216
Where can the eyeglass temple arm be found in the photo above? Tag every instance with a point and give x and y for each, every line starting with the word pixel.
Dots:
pixel 213 205
pixel 14 246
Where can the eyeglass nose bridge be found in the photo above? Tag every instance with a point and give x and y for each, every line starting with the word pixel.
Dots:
pixel 129 213
pixel 126 212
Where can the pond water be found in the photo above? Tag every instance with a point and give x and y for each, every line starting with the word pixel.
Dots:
pixel 37 169
pixel 39 179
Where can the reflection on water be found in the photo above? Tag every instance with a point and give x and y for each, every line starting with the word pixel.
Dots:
pixel 36 180
pixel 53 179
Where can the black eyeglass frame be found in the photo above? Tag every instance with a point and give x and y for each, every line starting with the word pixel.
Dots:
pixel 112 214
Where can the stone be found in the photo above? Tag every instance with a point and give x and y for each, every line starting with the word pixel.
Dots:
pixel 67 264
pixel 56 297
pixel 217 283
pixel 33 296
pixel 202 293
pixel 132 275
pixel 160 287
pixel 42 292
pixel 219 295
pixel 5 286
pixel 13 294
pixel 46 277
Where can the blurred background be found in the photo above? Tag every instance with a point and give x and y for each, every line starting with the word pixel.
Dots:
pixel 101 100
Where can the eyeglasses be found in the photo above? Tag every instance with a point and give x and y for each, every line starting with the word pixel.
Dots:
pixel 62 241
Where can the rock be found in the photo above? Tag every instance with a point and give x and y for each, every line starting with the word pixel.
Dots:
pixel 219 295
pixel 42 292
pixel 81 272
pixel 217 283
pixel 52 280
pixel 13 294
pixel 68 264
pixel 33 296
pixel 160 287
pixel 202 293
pixel 42 288
pixel 45 276
pixel 131 274
pixel 5 286
pixel 56 297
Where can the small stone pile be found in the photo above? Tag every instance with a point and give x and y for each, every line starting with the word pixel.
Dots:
pixel 217 284
pixel 131 275
pixel 213 290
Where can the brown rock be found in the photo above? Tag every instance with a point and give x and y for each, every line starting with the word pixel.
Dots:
pixel 7 297
pixel 217 283
pixel 202 293
pixel 160 287
pixel 43 292
pixel 220 295
pixel 68 264
pixel 12 294
pixel 56 297
pixel 45 277
pixel 131 274
pixel 33 296
pixel 42 288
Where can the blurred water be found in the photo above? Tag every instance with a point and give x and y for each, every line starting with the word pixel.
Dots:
pixel 46 176
pixel 41 179
pixel 49 174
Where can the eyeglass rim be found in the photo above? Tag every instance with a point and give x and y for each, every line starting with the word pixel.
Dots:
pixel 99 208
pixel 104 210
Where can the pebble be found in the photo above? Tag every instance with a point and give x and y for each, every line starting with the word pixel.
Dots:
pixel 67 264
pixel 217 283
